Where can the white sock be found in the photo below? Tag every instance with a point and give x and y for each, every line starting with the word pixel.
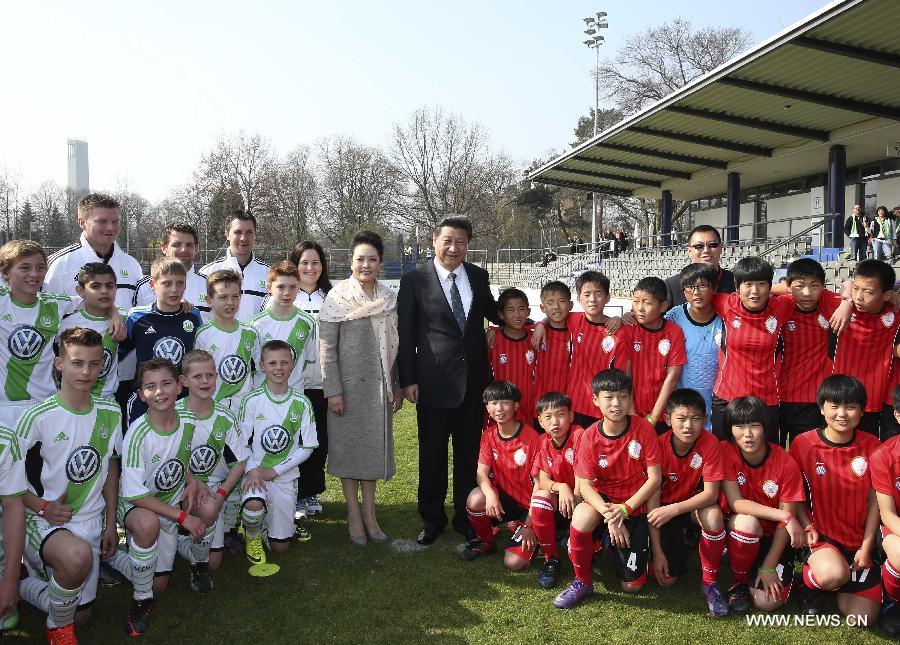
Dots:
pixel 34 591
pixel 63 604
pixel 143 566
pixel 200 550
pixel 252 521
pixel 184 547
pixel 231 508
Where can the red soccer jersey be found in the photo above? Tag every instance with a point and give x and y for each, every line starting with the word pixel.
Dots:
pixel 593 350
pixel 774 481
pixel 512 359
pixel 805 359
pixel 681 474
pixel 884 464
pixel 864 350
pixel 747 352
pixel 551 374
pixel 617 466
pixel 558 463
pixel 837 477
pixel 510 460
pixel 651 352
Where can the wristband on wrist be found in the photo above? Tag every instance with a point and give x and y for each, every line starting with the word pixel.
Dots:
pixel 772 570
pixel 182 518
pixel 625 510
pixel 43 508
pixel 783 523
pixel 628 510
pixel 222 492
pixel 650 420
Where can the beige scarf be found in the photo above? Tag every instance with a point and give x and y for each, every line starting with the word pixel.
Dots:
pixel 348 301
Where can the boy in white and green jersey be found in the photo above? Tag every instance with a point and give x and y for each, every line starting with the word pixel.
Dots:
pixel 234 345
pixel 97 290
pixel 155 480
pixel 12 518
pixel 279 420
pixel 75 438
pixel 218 455
pixel 283 321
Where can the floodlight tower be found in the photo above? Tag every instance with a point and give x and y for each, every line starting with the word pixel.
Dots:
pixel 594 24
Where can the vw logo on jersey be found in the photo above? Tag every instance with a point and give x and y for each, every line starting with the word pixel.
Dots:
pixel 233 369
pixel 82 464
pixel 25 342
pixel 107 363
pixel 203 459
pixel 274 439
pixel 170 348
pixel 169 475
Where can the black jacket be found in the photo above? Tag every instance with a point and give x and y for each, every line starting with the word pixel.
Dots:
pixel 434 353
pixel 675 294
pixel 859 223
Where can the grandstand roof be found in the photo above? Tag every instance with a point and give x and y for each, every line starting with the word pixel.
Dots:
pixel 770 113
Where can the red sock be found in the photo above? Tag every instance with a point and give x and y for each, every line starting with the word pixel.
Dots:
pixel 481 524
pixel 891 579
pixel 742 551
pixel 711 548
pixel 581 553
pixel 544 525
pixel 809 579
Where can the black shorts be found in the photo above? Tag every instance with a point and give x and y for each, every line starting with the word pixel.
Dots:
pixel 865 583
pixel 631 563
pixel 797 418
pixel 674 545
pixel 889 426
pixel 512 512
pixel 784 568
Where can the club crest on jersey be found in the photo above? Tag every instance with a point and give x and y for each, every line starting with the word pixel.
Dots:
pixel 104 432
pixel 820 469
pixel 169 475
pixel 543 346
pixel 664 346
pixel 187 326
pixel 673 477
pixel 529 356
pixel 823 322
pixel 741 479
pixel 603 462
pixel 46 321
pixel 549 462
pixel 300 334
pixel 736 323
pixel 897 483
pixel 771 324
pixel 696 461
pixel 859 466
pixel 25 342
pixel 203 459
pixel 634 449
pixel 107 363
pixel 607 344
pixel 294 417
pixel 519 457
pixel 495 454
pixel 503 359
pixel 791 326
pixel 219 434
pixel 717 338
pixel 232 369
pixel 770 488
pixel 124 273
pixel 580 337
pixel 170 348
pixel 82 464
pixel 637 345
pixel 274 439
pixel 888 319
pixel 570 456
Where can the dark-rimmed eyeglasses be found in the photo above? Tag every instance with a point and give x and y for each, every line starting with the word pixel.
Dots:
pixel 699 246
pixel 698 288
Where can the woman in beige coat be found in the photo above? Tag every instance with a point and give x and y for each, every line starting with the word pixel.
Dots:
pixel 358 351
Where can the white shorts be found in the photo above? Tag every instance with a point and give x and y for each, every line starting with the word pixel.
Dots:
pixel 218 537
pixel 38 529
pixel 166 544
pixel 12 411
pixel 280 499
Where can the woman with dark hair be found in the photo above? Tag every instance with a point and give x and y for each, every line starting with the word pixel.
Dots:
pixel 358 353
pixel 882 229
pixel 309 257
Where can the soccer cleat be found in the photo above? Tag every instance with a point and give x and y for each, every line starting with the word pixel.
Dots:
pixel 476 549
pixel 301 533
pixel 64 635
pixel 138 621
pixel 889 622
pixel 812 601
pixel 201 582
pixel 300 512
pixel 313 505
pixel 549 574
pixel 573 594
pixel 739 598
pixel 255 551
pixel 234 541
pixel 711 593
pixel 10 619
pixel 108 576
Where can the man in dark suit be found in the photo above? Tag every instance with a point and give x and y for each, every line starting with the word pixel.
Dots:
pixel 444 368
pixel 704 246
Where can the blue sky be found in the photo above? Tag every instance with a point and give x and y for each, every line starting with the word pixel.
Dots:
pixel 151 84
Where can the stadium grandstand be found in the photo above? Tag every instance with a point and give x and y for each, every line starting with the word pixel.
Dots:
pixel 773 148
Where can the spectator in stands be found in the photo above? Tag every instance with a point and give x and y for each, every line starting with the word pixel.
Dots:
pixel 573 245
pixel 855 228
pixel 579 244
pixel 623 241
pixel 705 246
pixel 882 229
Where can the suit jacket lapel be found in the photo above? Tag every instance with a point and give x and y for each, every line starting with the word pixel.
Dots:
pixel 436 288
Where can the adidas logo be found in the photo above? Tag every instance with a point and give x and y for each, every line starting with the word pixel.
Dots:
pixel 61 437
pixel 155 459
pixel 213 349
pixel 7 318
pixel 149 330
pixel 260 417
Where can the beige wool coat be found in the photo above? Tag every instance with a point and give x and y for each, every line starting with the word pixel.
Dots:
pixel 361 442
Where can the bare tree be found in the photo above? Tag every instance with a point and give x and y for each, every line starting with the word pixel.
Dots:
pixel 296 190
pixel 244 164
pixel 9 203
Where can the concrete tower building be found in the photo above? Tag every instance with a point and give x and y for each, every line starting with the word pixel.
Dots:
pixel 79 182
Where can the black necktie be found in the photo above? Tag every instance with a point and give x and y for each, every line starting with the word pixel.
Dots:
pixel 456 303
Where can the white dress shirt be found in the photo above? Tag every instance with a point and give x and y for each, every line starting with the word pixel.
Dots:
pixel 462 283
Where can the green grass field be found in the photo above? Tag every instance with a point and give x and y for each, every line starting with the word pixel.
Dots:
pixel 329 591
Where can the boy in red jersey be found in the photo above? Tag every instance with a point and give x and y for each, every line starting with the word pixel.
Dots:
pixel 864 350
pixel 656 349
pixel 554 354
pixel 841 528
pixel 885 468
pixel 763 487
pixel 616 471
pixel 504 479
pixel 804 345
pixel 554 497
pixel 512 356
pixel 690 455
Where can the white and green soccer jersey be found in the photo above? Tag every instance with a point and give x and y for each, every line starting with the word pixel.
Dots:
pixel 155 463
pixel 298 331
pixel 108 381
pixel 26 344
pixel 235 352
pixel 75 451
pixel 12 466
pixel 217 444
pixel 280 429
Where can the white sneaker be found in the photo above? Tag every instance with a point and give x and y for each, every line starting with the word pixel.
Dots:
pixel 313 505
pixel 300 512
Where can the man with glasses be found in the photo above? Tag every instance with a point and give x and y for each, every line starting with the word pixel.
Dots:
pixel 705 247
